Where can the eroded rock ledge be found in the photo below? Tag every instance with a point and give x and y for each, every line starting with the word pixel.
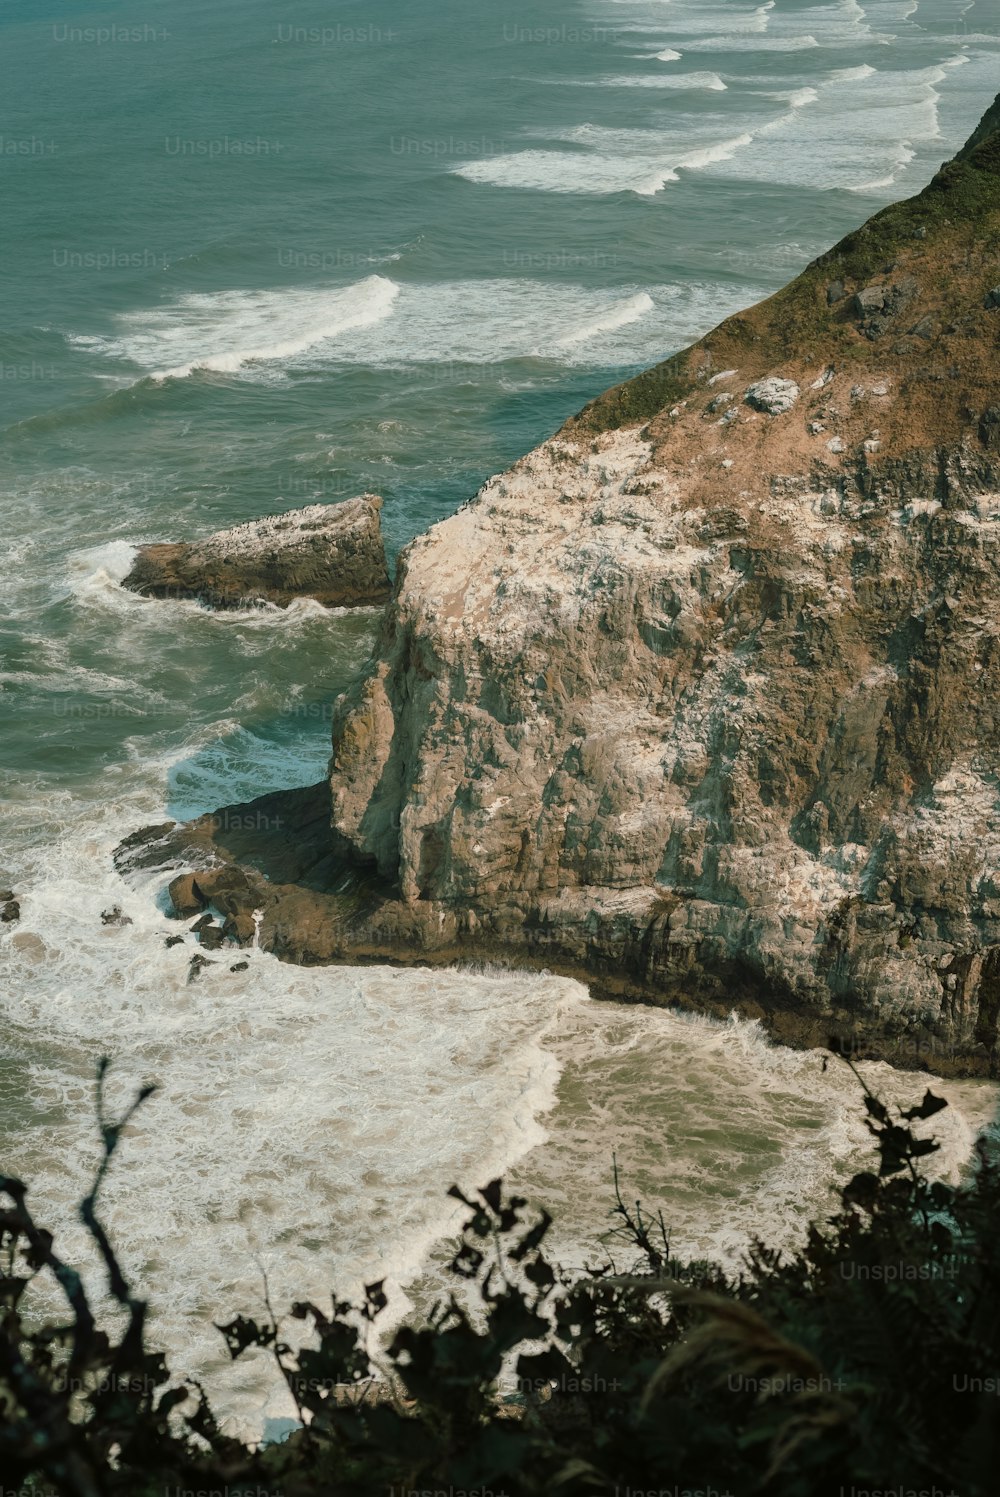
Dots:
pixel 269 863
pixel 701 698
pixel 331 552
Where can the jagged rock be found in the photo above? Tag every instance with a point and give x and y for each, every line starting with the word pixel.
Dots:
pixel 197 966
pixel 205 923
pixel 185 896
pixel 989 428
pixel 240 967
pixel 241 928
pixel 992 299
pixel 879 307
pixel 331 552
pixel 115 916
pixel 772 395
pixel 225 888
pixel 174 941
pixel 835 293
pixel 211 937
pixel 6 895
pixel 871 299
pixel 11 912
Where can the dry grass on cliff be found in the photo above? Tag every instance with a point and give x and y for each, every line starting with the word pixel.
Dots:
pixel 939 346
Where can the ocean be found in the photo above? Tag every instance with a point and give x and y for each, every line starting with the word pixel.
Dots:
pixel 257 258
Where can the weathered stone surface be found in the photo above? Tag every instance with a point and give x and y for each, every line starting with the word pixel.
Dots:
pixel 871 299
pixel 10 912
pixel 331 552
pixel 185 896
pixel 773 395
pixel 224 888
pixel 241 928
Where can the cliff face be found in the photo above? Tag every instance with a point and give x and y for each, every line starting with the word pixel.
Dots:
pixel 706 689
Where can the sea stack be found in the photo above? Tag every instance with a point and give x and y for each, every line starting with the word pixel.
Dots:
pixel 333 553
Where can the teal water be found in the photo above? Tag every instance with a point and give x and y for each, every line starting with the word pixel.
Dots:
pixel 259 257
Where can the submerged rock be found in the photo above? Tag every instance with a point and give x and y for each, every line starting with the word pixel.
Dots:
pixel 10 912
pixel 115 916
pixel 333 553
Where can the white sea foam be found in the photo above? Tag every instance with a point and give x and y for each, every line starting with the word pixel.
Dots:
pixel 853 75
pixel 752 43
pixel 306 1121
pixel 859 133
pixel 628 312
pixel 710 81
pixel 701 16
pixel 486 322
pixel 797 98
pixel 640 161
pixel 227 331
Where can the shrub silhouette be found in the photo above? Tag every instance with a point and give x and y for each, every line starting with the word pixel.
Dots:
pixel 869 1360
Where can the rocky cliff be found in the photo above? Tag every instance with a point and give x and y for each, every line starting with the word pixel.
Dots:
pixel 702 696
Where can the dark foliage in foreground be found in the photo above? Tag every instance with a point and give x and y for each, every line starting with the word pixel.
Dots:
pixel 869 1361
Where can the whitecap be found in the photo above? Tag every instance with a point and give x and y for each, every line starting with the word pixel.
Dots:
pixel 609 322
pixel 692 81
pixel 226 331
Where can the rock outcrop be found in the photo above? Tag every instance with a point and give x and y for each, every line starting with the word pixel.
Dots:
pixel 703 696
pixel 331 552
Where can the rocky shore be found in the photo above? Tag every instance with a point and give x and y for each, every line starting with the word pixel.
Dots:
pixel 333 553
pixel 700 699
